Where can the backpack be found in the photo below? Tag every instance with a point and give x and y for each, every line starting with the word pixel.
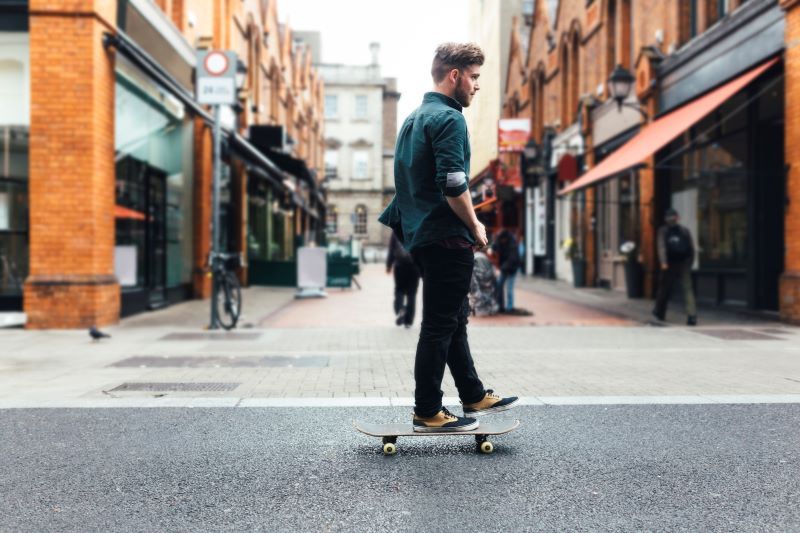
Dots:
pixel 679 244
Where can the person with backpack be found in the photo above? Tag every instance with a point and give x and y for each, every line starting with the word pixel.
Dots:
pixel 406 282
pixel 676 256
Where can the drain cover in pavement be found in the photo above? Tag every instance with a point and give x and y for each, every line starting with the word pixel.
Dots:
pixel 775 331
pixel 736 335
pixel 209 336
pixel 188 361
pixel 175 387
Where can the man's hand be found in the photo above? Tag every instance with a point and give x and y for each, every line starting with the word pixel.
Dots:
pixel 479 232
pixel 664 266
pixel 388 270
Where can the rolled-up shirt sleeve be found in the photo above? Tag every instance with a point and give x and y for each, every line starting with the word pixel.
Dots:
pixel 448 137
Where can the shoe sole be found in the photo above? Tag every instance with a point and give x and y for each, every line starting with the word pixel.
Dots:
pixel 492 410
pixel 425 429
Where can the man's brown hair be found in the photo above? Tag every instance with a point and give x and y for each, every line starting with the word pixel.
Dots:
pixel 455 55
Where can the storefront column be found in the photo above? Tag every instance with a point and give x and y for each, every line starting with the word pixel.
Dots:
pixel 648 225
pixel 71 282
pixel 790 279
pixel 202 206
pixel 589 223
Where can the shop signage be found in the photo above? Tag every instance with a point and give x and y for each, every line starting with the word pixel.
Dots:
pixel 513 134
pixel 216 77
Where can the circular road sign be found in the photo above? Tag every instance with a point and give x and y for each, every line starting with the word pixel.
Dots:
pixel 216 63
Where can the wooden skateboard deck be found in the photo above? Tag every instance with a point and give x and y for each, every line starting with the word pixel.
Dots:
pixel 390 432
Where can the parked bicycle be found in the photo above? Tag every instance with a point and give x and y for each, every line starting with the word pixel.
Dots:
pixel 226 289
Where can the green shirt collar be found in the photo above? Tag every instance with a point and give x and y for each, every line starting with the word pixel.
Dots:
pixel 439 97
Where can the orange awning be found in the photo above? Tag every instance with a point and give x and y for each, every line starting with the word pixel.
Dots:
pixel 485 203
pixel 125 212
pixel 664 130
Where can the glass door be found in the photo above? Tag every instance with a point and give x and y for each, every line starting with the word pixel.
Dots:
pixel 156 231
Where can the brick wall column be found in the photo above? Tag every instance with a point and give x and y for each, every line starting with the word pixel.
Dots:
pixel 790 279
pixel 648 225
pixel 202 212
pixel 71 188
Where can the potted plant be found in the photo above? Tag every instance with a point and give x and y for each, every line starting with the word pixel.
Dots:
pixel 633 269
pixel 573 254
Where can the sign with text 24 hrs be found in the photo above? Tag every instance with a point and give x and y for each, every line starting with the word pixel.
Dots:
pixel 216 77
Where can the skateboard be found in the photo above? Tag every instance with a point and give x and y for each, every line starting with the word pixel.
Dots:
pixel 390 432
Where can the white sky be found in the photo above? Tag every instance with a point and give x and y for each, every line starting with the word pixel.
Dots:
pixel 408 31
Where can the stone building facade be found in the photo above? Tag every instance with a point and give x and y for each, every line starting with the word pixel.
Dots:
pixel 361 125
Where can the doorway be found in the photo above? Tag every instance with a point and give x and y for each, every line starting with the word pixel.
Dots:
pixel 141 235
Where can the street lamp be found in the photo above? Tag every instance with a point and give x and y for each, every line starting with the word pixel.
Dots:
pixel 619 88
pixel 619 84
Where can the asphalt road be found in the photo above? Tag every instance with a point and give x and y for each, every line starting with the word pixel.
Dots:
pixel 658 468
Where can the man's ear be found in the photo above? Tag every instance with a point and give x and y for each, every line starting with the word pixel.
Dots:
pixel 453 75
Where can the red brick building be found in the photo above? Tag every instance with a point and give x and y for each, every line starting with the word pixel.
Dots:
pixel 106 174
pixel 707 129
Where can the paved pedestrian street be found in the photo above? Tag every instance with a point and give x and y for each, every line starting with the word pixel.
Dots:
pixel 624 425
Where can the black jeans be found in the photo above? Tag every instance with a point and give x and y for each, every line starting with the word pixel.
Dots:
pixel 406 281
pixel 676 271
pixel 446 275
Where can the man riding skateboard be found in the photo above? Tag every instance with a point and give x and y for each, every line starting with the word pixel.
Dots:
pixel 433 217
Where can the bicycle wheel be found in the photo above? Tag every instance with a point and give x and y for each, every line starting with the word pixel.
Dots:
pixel 229 300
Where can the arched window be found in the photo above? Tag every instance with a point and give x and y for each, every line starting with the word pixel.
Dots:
pixel 611 37
pixel 687 15
pixel 332 219
pixel 574 77
pixel 360 220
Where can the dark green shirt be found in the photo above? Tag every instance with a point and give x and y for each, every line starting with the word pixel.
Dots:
pixel 431 162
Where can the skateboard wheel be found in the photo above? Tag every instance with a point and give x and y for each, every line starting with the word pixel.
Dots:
pixel 486 447
pixel 389 448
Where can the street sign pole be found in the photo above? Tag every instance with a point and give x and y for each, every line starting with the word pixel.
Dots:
pixel 215 213
pixel 216 86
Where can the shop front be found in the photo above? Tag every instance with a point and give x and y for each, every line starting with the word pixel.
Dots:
pixel 14 140
pixel 154 192
pixel 569 250
pixel 726 178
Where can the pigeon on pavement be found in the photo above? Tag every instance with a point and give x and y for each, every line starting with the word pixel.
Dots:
pixel 96 334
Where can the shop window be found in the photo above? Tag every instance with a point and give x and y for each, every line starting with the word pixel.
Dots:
pixel 331 164
pixel 331 106
pixel 13 209
pixel 332 220
pixel 360 223
pixel 154 185
pixel 14 143
pixel 360 165
pixel 361 106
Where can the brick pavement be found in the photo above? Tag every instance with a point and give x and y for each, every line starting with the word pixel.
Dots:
pixel 354 351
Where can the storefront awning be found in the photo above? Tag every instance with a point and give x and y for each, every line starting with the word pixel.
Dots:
pixel 664 130
pixel 481 207
pixel 292 165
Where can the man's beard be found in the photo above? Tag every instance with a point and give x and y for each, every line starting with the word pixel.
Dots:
pixel 462 96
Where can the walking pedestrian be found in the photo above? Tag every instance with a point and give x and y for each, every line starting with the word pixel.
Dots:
pixel 406 281
pixel 507 250
pixel 676 256
pixel 433 217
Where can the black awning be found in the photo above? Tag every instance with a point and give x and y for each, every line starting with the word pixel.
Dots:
pixel 292 165
pixel 255 162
